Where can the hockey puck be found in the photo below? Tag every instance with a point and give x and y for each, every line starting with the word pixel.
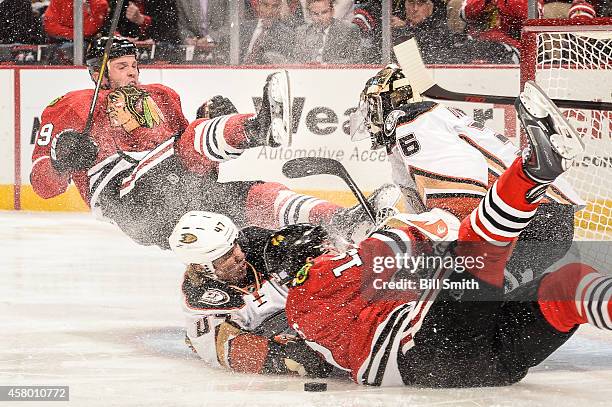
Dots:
pixel 315 386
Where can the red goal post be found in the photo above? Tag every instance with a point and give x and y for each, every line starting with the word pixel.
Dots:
pixel 572 59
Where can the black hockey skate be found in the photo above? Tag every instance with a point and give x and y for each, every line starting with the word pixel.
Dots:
pixel 553 142
pixel 272 125
pixel 354 225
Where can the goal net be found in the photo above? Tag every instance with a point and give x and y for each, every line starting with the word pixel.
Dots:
pixel 571 61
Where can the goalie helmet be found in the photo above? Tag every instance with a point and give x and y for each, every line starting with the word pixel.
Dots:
pixel 202 237
pixel 120 47
pixel 384 92
pixel 288 250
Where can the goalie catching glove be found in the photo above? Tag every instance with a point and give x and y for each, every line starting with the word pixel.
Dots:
pixel 73 151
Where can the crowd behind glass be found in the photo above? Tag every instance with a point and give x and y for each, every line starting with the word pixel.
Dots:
pixel 273 32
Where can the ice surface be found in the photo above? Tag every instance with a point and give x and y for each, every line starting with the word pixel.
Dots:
pixel 83 306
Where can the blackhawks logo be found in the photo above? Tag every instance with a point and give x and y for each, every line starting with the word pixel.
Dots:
pixel 130 108
pixel 302 275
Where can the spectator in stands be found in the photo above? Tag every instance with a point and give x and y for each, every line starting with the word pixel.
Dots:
pixel 426 21
pixel 343 10
pixel 58 19
pixel 19 26
pixel 269 39
pixel 326 40
pixel 573 8
pixel 196 18
pixel 496 20
pixel 155 20
pixel 367 16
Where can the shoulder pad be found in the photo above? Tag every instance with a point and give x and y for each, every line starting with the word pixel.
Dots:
pixel 414 110
pixel 54 101
pixel 74 98
pixel 159 88
pixel 405 114
pixel 212 295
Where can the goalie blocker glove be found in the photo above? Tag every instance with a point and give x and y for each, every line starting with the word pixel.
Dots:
pixel 73 151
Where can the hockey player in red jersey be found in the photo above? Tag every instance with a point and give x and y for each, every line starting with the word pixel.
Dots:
pixel 143 165
pixel 496 20
pixel 464 334
pixel 441 158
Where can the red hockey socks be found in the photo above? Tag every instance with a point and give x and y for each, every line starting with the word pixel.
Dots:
pixel 497 222
pixel 576 294
pixel 272 205
pixel 504 212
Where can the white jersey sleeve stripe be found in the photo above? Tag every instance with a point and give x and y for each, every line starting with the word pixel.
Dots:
pixel 585 283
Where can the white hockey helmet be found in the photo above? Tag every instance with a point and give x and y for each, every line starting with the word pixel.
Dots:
pixel 202 237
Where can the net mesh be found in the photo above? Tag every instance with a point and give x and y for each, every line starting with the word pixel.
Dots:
pixel 578 65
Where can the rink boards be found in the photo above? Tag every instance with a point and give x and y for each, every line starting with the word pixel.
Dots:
pixel 322 99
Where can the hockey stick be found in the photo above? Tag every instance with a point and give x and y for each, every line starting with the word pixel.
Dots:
pixel 409 58
pixel 107 48
pixel 306 166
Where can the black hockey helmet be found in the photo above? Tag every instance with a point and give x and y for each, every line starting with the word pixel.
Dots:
pixel 121 46
pixel 289 249
pixel 384 92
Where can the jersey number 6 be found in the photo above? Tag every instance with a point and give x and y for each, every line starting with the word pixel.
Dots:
pixel 409 145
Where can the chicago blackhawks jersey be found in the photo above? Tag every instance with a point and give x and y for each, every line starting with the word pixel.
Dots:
pixel 133 122
pixel 338 305
pixel 444 159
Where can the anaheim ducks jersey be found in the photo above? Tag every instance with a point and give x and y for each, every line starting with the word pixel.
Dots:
pixel 444 159
pixel 208 304
pixel 337 304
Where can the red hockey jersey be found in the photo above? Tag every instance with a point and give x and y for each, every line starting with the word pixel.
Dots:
pixel 115 128
pixel 339 307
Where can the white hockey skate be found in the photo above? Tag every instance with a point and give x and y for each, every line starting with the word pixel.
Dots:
pixel 352 225
pixel 279 97
pixel 553 142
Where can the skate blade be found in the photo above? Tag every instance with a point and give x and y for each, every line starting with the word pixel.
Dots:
pixel 280 100
pixel 567 142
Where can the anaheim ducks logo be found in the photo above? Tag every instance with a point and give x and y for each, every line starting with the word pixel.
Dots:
pixel 214 296
pixel 391 121
pixel 130 108
pixel 188 238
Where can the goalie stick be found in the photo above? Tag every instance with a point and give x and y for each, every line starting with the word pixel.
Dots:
pixel 306 166
pixel 409 59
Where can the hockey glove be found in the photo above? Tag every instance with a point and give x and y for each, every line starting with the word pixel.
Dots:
pixel 215 107
pixel 73 151
pixel 300 358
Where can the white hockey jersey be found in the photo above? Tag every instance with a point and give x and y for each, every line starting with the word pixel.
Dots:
pixel 442 158
pixel 207 306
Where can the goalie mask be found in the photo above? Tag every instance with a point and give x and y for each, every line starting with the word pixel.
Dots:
pixel 384 92
pixel 289 249
pixel 202 237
